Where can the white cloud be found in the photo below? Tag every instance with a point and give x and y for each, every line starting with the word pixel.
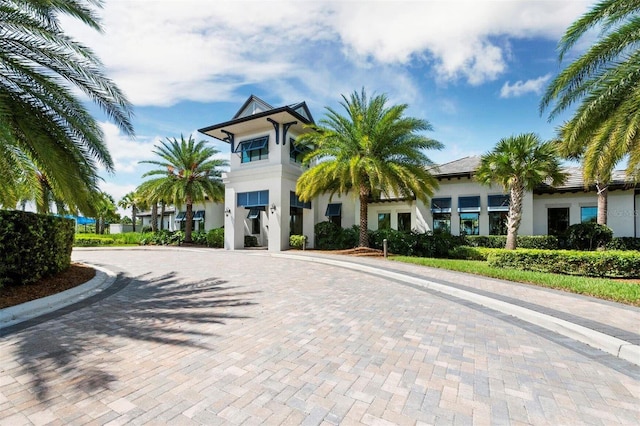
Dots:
pixel 126 153
pixel 520 87
pixel 163 52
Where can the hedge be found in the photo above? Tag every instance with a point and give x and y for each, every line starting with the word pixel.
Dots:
pixel 33 246
pixel 215 238
pixel 548 242
pixel 624 243
pixel 610 264
pixel 297 241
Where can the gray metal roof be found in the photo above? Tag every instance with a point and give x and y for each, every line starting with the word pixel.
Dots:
pixel 465 167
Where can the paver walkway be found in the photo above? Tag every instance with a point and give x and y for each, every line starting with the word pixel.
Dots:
pixel 190 336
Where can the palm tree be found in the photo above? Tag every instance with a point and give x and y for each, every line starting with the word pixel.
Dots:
pixel 105 208
pixel 188 173
pixel 605 84
pixel 373 150
pixel 42 120
pixel 129 201
pixel 519 163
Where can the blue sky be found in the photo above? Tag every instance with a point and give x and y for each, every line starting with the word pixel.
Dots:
pixel 474 69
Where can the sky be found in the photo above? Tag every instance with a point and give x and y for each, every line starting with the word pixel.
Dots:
pixel 475 70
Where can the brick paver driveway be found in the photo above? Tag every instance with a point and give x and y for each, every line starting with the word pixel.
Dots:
pixel 214 337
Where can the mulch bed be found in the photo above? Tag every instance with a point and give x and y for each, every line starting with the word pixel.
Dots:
pixel 358 251
pixel 76 274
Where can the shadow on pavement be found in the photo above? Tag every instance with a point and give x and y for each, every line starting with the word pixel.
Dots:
pixel 81 345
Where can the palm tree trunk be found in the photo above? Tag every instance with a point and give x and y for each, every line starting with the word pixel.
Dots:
pixel 515 215
pixel 162 206
pixel 154 217
pixel 603 198
pixel 134 216
pixel 364 220
pixel 189 224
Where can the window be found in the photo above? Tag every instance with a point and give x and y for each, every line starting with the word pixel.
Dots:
pixel 295 221
pixel 384 220
pixel 441 205
pixel 442 222
pixel 253 199
pixel 404 222
pixel 441 211
pixel 294 201
pixel 253 149
pixel 334 213
pixel 498 223
pixel 297 152
pixel 498 203
pixel 588 214
pixel 469 204
pixel 469 223
pixel 254 216
pixel 557 220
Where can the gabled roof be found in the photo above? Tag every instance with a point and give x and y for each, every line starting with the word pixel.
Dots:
pixel 252 106
pixel 251 114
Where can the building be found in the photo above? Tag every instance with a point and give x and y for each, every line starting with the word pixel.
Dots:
pixel 260 197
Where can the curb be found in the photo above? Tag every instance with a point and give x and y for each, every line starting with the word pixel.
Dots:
pixel 28 310
pixel 612 345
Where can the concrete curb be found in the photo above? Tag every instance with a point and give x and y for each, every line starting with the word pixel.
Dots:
pixel 612 345
pixel 28 310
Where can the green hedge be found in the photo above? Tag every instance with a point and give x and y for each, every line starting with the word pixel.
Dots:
pixel 297 241
pixel 548 242
pixel 611 264
pixel 624 243
pixel 33 246
pixel 215 238
pixel 93 242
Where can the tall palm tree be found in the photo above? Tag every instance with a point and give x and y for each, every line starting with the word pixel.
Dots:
pixel 41 118
pixel 130 201
pixel 188 173
pixel 519 163
pixel 604 83
pixel 373 150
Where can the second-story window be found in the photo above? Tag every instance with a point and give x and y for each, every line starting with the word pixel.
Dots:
pixel 253 149
pixel 296 151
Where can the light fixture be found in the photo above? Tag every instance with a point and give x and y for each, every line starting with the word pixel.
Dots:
pixel 227 211
pixel 273 207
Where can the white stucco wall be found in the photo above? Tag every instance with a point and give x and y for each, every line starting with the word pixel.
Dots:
pixel 465 187
pixel 350 209
pixel 621 215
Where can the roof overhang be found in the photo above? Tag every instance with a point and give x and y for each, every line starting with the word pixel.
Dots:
pixel 256 123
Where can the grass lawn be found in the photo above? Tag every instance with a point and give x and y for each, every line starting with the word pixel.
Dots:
pixel 114 240
pixel 623 291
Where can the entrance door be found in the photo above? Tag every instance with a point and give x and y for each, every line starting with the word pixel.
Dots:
pixel 295 221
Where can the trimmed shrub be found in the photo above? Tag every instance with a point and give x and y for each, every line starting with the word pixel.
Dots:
pixel 250 241
pixel 398 242
pixel 611 264
pixel 199 237
pixel 468 253
pixel 162 238
pixel 547 242
pixel 297 241
pixel 587 236
pixel 92 242
pixel 623 243
pixel 33 246
pixel 215 238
